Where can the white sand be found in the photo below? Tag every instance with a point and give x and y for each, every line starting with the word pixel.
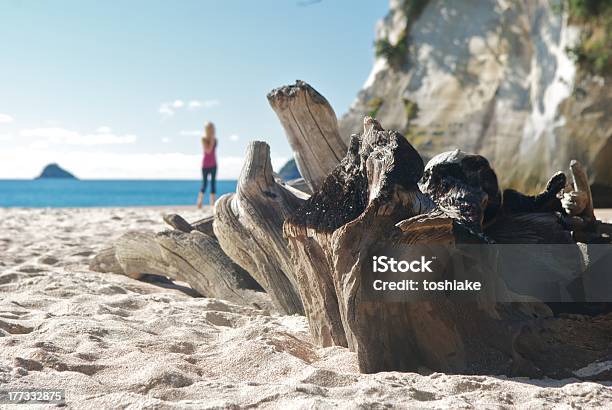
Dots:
pixel 111 341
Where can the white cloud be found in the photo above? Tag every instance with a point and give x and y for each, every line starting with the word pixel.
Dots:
pixel 111 165
pixel 166 140
pixel 165 110
pixel 194 105
pixel 168 109
pixel 210 103
pixel 62 136
pixel 104 130
pixel 234 137
pixel 197 104
pixel 5 137
pixel 5 119
pixel 191 133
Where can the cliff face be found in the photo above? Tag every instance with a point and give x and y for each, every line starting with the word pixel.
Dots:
pixel 491 77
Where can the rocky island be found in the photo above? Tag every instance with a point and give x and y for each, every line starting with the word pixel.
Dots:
pixel 55 171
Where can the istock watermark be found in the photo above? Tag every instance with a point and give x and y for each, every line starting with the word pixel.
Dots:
pixel 389 264
pixel 488 273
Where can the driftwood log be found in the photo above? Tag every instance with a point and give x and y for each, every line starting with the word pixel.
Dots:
pixel 194 258
pixel 105 261
pixel 371 203
pixel 311 127
pixel 248 225
pixel 313 253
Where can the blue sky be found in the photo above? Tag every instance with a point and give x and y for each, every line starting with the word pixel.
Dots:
pixel 120 89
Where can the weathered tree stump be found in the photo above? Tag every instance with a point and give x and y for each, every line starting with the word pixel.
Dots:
pixel 371 204
pixel 311 127
pixel 248 225
pixel 313 230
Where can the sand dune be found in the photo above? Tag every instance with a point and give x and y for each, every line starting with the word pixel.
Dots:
pixel 111 341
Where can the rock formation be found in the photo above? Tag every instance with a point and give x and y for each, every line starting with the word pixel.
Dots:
pixel 491 77
pixel 55 171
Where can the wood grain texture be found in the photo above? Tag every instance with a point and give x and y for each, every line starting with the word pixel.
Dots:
pixel 311 128
pixel 248 225
pixel 194 258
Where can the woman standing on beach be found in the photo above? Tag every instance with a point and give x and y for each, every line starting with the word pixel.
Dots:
pixel 209 163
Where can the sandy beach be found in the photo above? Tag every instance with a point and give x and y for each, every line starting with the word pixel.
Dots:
pixel 111 341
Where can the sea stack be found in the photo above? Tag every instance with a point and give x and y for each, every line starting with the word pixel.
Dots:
pixel 55 171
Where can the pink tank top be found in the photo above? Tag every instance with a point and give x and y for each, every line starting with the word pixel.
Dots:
pixel 210 158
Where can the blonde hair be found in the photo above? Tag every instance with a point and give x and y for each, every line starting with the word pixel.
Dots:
pixel 209 135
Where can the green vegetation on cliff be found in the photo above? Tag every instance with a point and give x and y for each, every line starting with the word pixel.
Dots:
pixel 411 109
pixel 374 105
pixel 396 53
pixel 594 51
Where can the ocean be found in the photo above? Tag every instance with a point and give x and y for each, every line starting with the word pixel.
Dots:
pixel 68 193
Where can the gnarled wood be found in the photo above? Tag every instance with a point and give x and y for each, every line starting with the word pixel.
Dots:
pixel 197 259
pixel 371 204
pixel 579 201
pixel 248 225
pixel 194 258
pixel 105 261
pixel 178 222
pixel 299 184
pixel 515 202
pixel 205 225
pixel 464 185
pixel 311 127
pixel 138 252
pixel 314 230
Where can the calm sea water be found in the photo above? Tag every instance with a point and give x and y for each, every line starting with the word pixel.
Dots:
pixel 57 193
